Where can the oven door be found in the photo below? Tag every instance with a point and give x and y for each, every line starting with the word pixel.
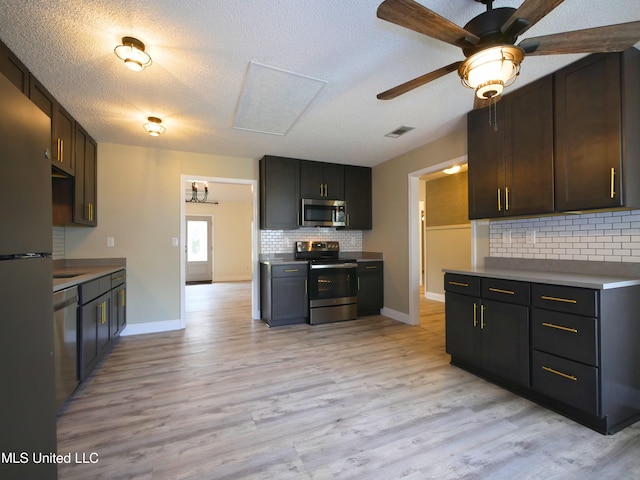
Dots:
pixel 332 284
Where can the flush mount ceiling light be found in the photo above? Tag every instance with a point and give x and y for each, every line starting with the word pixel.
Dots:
pixel 452 170
pixel 132 53
pixel 154 126
pixel 490 70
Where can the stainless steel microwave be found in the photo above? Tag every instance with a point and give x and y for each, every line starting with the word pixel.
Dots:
pixel 323 213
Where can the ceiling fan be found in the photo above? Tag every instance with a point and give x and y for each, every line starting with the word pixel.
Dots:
pixel 488 42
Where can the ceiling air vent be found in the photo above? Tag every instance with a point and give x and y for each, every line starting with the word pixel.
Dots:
pixel 399 131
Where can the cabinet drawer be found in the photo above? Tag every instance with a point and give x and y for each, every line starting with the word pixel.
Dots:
pixel 569 382
pixel 118 278
pixel 579 301
pixel 509 291
pixel 571 336
pixel 369 267
pixel 89 290
pixel 290 270
pixel 464 284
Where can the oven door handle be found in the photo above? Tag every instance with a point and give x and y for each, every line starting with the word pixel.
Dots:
pixel 334 265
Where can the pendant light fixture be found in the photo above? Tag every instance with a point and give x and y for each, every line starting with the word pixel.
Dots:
pixel 132 53
pixel 154 126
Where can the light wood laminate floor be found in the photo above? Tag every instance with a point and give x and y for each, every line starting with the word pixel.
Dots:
pixel 229 398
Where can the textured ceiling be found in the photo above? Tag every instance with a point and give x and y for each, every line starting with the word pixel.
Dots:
pixel 202 49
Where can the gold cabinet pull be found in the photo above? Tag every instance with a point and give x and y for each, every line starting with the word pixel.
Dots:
pixel 564 375
pixel 122 298
pixel 499 290
pixel 558 299
pixel 459 284
pixel 499 204
pixel 371 267
pixel 290 270
pixel 506 199
pixel 559 327
pixel 61 151
pixel 475 314
pixel 482 317
pixel 613 182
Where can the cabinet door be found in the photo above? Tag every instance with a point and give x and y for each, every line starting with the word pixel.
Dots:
pixel 118 309
pixel 463 340
pixel 486 163
pixel 279 193
pixel 63 136
pixel 528 119
pixel 62 125
pixel 357 194
pixel 333 174
pixel 12 68
pixel 587 134
pixel 311 179
pixel 104 322
pixel 84 205
pixel 289 299
pixel 370 288
pixel 505 340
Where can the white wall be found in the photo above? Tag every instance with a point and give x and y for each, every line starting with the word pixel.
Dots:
pixel 447 247
pixel 231 238
pixel 139 198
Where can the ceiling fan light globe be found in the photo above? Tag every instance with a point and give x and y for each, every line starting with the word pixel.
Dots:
pixel 491 69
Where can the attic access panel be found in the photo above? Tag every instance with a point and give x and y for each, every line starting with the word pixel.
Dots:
pixel 272 100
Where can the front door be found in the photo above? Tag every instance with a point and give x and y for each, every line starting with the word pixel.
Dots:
pixel 199 249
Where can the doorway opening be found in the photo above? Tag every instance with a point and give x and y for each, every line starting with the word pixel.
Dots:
pixel 199 249
pixel 248 227
pixel 417 238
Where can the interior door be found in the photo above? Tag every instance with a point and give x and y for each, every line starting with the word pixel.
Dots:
pixel 199 247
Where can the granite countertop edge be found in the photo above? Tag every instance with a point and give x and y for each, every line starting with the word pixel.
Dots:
pixel 600 282
pixel 84 270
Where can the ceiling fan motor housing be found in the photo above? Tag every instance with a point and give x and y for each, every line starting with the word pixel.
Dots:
pixel 487 26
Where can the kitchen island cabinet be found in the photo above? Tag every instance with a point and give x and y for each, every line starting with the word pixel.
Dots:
pixel 583 339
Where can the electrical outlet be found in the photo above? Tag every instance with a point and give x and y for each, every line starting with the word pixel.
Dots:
pixel 111 242
pixel 506 238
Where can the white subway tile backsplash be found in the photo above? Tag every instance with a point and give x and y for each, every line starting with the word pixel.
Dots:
pixel 601 236
pixel 282 241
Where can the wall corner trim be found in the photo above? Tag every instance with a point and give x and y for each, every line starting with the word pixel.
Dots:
pixel 395 315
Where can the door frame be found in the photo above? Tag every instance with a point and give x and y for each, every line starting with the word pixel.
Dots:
pixel 477 250
pixel 255 239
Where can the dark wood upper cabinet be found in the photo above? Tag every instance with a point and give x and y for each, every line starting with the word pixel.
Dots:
pixel 84 203
pixel 12 68
pixel 62 126
pixel 321 180
pixel 511 154
pixel 279 193
pixel 597 144
pixel 357 194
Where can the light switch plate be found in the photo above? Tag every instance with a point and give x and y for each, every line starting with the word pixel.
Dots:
pixel 531 237
pixel 506 238
pixel 111 242
pixel 174 241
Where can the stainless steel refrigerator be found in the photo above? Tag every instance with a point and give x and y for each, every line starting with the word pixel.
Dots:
pixel 27 411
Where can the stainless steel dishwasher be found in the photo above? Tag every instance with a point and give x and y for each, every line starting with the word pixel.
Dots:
pixel 65 306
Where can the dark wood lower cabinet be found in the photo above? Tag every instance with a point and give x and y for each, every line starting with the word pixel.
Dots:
pixel 284 296
pixel 370 287
pixel 571 349
pixel 101 317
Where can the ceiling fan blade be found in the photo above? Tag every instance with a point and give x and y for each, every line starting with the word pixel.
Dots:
pixel 611 38
pixel 532 11
pixel 484 102
pixel 412 15
pixel 417 82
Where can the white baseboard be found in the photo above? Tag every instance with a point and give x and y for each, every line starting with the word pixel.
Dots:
pixel 394 314
pixel 233 278
pixel 438 297
pixel 151 327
